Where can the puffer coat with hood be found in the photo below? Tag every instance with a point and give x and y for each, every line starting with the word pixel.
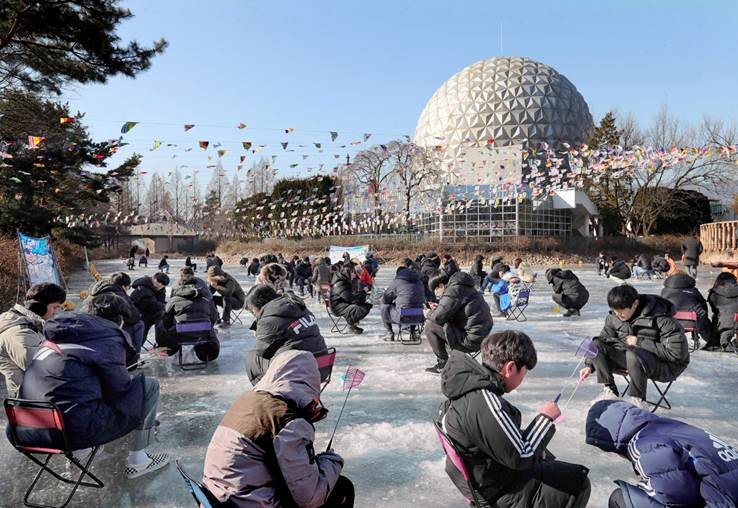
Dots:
pixel 572 293
pixel 131 315
pixel 678 464
pixel 681 291
pixel 262 454
pixel 21 331
pixel 463 313
pixel 724 304
pixel 189 304
pixel 507 463
pixel 81 367
pixel 148 301
pixel 286 323
pixel 620 270
pixel 656 331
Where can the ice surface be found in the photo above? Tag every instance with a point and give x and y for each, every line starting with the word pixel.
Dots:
pixel 392 454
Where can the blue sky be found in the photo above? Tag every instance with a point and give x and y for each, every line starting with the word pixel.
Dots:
pixel 370 67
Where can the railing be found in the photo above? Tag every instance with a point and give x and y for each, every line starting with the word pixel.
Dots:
pixel 719 237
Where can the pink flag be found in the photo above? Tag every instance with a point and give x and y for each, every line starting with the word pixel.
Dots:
pixel 353 377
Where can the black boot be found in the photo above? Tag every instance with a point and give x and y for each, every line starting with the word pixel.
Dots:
pixel 389 336
pixel 437 368
pixel 355 329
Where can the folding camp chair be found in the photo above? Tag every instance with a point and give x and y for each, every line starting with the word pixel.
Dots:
pixel 520 301
pixel 236 314
pixel 193 333
pixel 408 319
pixel 27 418
pixel 688 320
pixel 326 360
pixel 454 455
pixel 662 402
pixel 340 325
pixel 203 497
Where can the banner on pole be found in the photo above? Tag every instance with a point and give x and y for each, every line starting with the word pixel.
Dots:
pixel 335 252
pixel 39 260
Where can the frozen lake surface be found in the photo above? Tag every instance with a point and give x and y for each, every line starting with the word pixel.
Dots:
pixel 386 437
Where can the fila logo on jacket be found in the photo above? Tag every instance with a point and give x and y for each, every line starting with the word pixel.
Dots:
pixel 303 323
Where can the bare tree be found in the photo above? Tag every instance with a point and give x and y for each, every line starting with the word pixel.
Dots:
pixel 372 168
pixel 630 132
pixel 679 157
pixel 413 165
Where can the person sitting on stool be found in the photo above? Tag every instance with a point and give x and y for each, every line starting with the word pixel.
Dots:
pixel 641 336
pixel 231 295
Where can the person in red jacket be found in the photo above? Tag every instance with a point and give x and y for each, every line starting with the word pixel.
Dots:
pixel 365 277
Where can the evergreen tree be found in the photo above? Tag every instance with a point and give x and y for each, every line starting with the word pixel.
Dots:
pixel 44 44
pixel 52 173
pixel 607 133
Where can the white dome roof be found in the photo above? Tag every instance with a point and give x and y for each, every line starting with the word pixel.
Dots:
pixel 509 99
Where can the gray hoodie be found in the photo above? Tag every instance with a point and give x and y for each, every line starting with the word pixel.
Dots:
pixel 261 454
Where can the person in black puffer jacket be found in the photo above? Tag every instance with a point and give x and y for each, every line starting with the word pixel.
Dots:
pixel 641 336
pixel 723 299
pixel 569 292
pixel 477 270
pixel 680 290
pixel 282 323
pixel 619 270
pixel 303 273
pixel 508 465
pixel 188 304
pixel 461 319
pixel 118 285
pixel 346 302
pixel 450 266
pixel 430 266
pixel 149 296
pixel 404 292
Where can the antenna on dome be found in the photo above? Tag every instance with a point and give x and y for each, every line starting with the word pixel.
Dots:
pixel 499 37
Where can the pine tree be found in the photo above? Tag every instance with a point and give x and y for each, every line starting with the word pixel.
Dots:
pixel 607 133
pixel 44 45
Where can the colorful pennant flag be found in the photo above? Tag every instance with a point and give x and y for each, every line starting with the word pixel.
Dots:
pixel 334 135
pixel 246 145
pixel 366 137
pixel 127 127
pixel 284 145
pixel 67 119
pixel 188 126
pixel 33 141
pixel 288 130
pixel 221 153
pixel 204 144
pixel 242 125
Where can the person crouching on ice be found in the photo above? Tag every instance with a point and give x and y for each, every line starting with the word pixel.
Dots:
pixel 262 452
pixel 678 464
pixel 509 466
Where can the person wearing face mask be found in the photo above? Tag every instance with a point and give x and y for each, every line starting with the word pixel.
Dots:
pixel 81 367
pixel 508 465
pixel 641 336
pixel 21 331
pixel 460 320
pixel 282 323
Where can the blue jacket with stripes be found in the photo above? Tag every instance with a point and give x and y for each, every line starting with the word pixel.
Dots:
pixel 679 465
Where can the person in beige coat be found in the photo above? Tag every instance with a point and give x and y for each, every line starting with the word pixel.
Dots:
pixel 22 330
pixel 262 453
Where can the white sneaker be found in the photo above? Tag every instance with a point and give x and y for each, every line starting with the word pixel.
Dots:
pixel 607 394
pixel 639 403
pixel 156 461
